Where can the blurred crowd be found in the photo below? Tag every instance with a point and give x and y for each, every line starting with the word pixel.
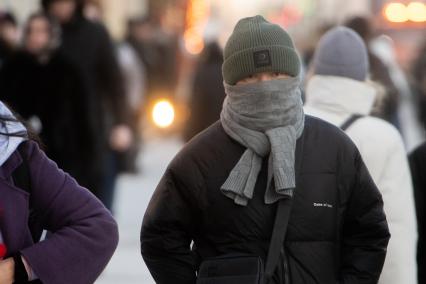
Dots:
pixel 80 91
pixel 85 94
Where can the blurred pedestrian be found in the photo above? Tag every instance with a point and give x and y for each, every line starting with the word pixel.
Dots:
pixel 419 86
pixel 40 82
pixel 8 36
pixel 410 128
pixel 89 47
pixel 223 190
pixel 418 166
pixel 339 94
pixel 135 83
pixel 313 42
pixel 133 69
pixel 379 72
pixel 205 102
pixel 36 195
pixel 157 51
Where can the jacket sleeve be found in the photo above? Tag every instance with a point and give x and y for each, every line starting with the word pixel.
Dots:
pixel 365 231
pixel 84 234
pixel 167 231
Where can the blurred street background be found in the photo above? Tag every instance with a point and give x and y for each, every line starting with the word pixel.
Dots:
pixel 115 88
pixel 134 193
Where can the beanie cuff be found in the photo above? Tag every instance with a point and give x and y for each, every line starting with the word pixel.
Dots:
pixel 242 64
pixel 357 71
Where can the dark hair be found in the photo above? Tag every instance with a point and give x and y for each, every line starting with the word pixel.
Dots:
pixel 361 25
pixel 79 3
pixel 4 120
pixel 212 53
pixel 7 18
pixel 28 133
pixel 134 22
pixel 139 20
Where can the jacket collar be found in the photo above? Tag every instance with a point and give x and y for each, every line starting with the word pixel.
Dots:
pixel 340 95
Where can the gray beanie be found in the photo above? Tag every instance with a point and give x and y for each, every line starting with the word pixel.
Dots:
pixel 341 52
pixel 256 46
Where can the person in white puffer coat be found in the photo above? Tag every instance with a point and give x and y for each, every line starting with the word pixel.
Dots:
pixel 339 94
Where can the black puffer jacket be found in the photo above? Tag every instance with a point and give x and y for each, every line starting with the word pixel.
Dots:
pixel 337 231
pixel 418 165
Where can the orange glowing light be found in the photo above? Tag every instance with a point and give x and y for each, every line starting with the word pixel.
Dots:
pixel 396 13
pixel 196 20
pixel 194 42
pixel 416 12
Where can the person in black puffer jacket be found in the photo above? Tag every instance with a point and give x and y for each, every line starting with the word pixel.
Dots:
pixel 221 191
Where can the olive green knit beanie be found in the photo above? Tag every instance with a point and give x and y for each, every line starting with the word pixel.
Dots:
pixel 257 46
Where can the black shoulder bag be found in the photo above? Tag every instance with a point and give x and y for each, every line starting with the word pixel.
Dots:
pixel 231 269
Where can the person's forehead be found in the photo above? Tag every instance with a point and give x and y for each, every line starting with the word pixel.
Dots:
pixel 268 73
pixel 7 24
pixel 39 21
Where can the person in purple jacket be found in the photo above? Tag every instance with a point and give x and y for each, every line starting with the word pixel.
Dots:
pixel 83 235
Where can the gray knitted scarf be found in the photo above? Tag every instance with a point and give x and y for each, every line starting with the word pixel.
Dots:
pixel 267 118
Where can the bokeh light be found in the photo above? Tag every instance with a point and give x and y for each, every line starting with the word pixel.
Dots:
pixel 396 12
pixel 163 114
pixel 194 42
pixel 196 20
pixel 416 12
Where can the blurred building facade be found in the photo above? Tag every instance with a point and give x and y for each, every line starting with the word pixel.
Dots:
pixel 115 13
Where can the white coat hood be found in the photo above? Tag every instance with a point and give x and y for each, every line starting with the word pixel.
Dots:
pixel 338 98
pixel 9 144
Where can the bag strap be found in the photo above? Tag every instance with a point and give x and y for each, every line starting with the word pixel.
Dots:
pixel 282 218
pixel 22 179
pixel 21 175
pixel 350 121
pixel 278 235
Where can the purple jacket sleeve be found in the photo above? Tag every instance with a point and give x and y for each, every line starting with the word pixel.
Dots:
pixel 84 234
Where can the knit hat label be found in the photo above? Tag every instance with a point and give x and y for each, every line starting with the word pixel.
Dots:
pixel 262 58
